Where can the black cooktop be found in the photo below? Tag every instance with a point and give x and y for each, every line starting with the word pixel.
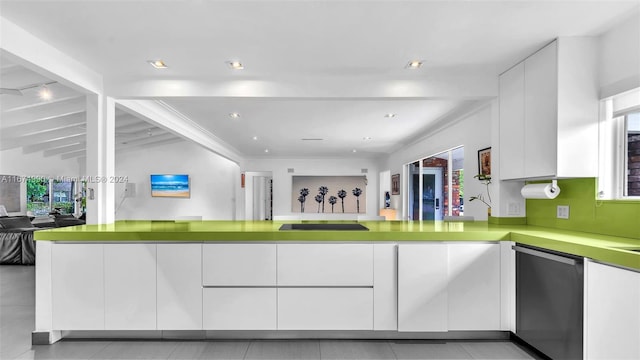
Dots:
pixel 325 226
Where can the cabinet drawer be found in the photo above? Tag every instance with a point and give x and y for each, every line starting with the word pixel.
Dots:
pixel 239 308
pixel 239 264
pixel 325 309
pixel 325 265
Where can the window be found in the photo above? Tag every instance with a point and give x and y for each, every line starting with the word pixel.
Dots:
pixel 436 186
pixel 619 174
pixel 45 195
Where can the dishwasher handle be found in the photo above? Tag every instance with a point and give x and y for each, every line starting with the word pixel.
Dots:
pixel 545 255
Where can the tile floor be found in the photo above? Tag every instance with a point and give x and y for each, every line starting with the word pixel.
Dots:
pixel 17 292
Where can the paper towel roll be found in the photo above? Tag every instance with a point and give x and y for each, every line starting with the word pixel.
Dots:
pixel 540 191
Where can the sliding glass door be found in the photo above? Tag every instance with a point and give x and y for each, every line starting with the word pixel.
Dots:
pixel 435 186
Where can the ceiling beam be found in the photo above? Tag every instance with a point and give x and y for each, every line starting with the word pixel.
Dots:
pixel 41 111
pixel 155 142
pixel 65 149
pixel 41 137
pixel 73 154
pixel 43 125
pixel 52 144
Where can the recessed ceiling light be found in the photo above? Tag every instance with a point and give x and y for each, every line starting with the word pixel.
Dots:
pixel 234 115
pixel 255 138
pixel 235 65
pixel 414 64
pixel 44 93
pixel 266 150
pixel 390 115
pixel 158 64
pixel 366 138
pixel 354 150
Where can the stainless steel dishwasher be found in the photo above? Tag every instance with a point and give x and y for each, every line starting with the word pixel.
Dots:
pixel 549 301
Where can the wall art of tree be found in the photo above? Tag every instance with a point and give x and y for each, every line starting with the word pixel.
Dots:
pixel 332 200
pixel 342 194
pixel 319 200
pixel 303 194
pixel 357 192
pixel 323 190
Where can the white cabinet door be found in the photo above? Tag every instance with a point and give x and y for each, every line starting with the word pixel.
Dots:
pixel 512 123
pixel 474 287
pixel 325 309
pixel 239 264
pixel 239 308
pixel 325 264
pixel 179 282
pixel 77 283
pixel 130 286
pixel 385 287
pixel 541 113
pixel 422 287
pixel 612 317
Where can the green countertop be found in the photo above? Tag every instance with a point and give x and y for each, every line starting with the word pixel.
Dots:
pixel 608 249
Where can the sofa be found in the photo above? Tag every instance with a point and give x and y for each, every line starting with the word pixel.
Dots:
pixel 17 246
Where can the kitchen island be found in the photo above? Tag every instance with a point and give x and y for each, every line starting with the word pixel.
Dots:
pixel 237 279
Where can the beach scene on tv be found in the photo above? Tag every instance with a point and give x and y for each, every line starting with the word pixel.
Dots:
pixel 170 185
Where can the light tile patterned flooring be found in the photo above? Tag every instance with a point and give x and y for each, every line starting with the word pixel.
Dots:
pixel 17 296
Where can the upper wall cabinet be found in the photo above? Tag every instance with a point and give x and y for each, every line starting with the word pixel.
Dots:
pixel 549 113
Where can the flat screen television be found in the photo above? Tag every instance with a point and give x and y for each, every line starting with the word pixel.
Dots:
pixel 170 185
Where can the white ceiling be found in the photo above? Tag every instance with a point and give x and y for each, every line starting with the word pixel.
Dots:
pixel 320 52
pixel 57 127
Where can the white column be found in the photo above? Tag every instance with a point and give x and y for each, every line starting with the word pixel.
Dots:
pixel 100 159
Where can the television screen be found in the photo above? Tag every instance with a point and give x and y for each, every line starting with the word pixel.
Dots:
pixel 165 185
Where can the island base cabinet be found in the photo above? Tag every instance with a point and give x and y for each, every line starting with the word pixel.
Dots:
pixel 422 287
pixel 325 308
pixel 130 286
pixel 612 312
pixel 239 308
pixel 179 286
pixel 77 282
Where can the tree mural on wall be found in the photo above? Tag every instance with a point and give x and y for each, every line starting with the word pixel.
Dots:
pixel 319 200
pixel 303 198
pixel 357 192
pixel 342 194
pixel 333 200
pixel 323 190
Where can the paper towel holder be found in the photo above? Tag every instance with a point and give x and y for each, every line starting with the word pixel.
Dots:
pixel 554 186
pixel 541 190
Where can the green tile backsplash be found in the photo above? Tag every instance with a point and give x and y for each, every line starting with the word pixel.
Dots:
pixel 616 218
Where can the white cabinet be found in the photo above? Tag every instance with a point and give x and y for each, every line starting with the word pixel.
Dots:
pixel 239 309
pixel 179 286
pixel 385 287
pixel 541 113
pixel 325 309
pixel 239 264
pixel 444 287
pixel 512 122
pixel 77 283
pixel 325 264
pixel 474 287
pixel 612 316
pixel 549 113
pixel 130 286
pixel 422 287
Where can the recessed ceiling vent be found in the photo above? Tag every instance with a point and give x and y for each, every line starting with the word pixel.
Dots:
pixel 312 139
pixel 364 171
pixel 290 170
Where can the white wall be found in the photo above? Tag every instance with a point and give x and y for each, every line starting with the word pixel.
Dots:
pixel 620 56
pixel 14 162
pixel 282 182
pixel 214 183
pixel 473 131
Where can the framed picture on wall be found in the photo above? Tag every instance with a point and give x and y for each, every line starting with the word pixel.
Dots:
pixel 395 184
pixel 484 162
